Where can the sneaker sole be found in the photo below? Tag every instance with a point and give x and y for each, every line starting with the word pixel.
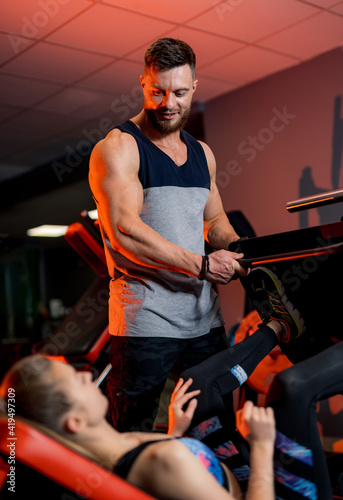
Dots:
pixel 265 306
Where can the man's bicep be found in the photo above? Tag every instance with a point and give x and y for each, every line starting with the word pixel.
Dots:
pixel 114 180
pixel 214 206
pixel 114 158
pixel 123 198
pixel 217 228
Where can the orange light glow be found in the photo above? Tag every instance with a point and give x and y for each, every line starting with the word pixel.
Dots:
pixel 290 257
pixel 310 203
pixel 57 358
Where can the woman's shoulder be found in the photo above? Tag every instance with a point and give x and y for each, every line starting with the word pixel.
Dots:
pixel 169 466
pixel 159 453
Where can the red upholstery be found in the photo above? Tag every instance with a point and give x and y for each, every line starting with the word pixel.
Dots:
pixel 99 346
pixel 88 247
pixel 63 465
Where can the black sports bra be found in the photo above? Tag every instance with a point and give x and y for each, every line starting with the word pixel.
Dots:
pixel 202 452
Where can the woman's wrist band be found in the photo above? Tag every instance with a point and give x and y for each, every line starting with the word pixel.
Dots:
pixel 205 267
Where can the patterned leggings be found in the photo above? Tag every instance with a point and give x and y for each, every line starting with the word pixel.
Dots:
pixel 300 463
pixel 214 418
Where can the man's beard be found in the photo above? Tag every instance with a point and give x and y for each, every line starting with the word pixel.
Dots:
pixel 163 126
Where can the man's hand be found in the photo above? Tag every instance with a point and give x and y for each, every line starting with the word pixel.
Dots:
pixel 179 419
pixel 224 267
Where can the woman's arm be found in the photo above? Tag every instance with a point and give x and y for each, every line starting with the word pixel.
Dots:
pixel 257 426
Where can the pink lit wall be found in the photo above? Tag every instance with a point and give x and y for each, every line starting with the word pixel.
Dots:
pixel 277 140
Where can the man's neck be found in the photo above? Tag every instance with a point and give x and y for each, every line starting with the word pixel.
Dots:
pixel 143 123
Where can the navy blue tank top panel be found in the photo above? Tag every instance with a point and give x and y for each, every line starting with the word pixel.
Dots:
pixel 193 173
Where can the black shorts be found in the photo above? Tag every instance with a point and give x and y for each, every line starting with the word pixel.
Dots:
pixel 140 368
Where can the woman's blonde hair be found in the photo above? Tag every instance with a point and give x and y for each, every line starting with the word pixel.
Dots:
pixel 36 396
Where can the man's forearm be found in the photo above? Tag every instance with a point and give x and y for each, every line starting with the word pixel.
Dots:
pixel 144 246
pixel 220 233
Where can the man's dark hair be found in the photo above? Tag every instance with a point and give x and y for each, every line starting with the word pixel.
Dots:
pixel 168 53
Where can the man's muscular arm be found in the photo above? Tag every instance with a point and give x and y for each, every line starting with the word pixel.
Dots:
pixel 113 179
pixel 217 228
pixel 219 232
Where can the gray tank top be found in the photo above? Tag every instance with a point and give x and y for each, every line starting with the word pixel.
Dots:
pixel 147 302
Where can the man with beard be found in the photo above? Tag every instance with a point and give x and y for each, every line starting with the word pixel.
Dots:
pixel 157 199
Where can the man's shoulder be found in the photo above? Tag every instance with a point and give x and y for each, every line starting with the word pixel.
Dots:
pixel 117 152
pixel 116 141
pixel 208 152
pixel 203 144
pixel 118 136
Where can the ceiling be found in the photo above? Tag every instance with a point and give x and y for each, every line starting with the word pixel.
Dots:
pixel 69 71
